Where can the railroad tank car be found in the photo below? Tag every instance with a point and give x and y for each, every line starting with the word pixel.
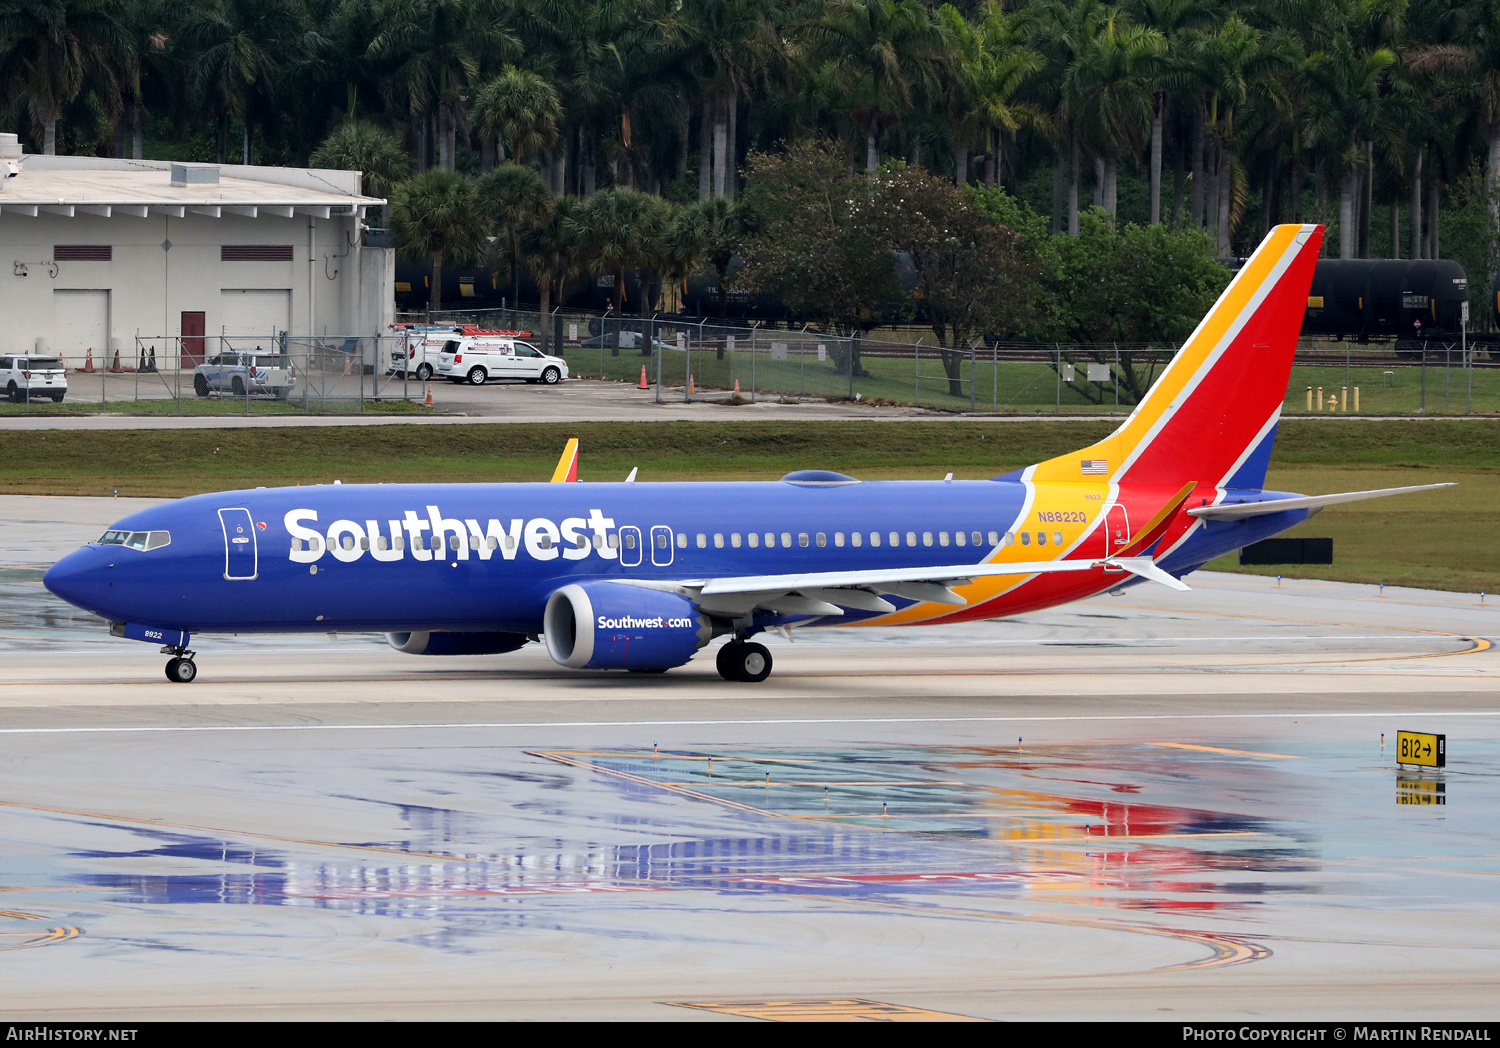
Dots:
pixel 1361 298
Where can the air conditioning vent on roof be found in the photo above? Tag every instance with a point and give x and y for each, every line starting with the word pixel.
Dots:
pixel 195 174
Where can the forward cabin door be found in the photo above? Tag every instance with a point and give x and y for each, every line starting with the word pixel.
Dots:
pixel 241 558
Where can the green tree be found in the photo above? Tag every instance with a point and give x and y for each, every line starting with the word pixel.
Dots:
pixel 717 226
pixel 1132 284
pixel 358 145
pixel 436 216
pixel 816 239
pixel 51 49
pixel 520 107
pixel 515 200
pixel 972 275
pixel 551 249
pixel 612 229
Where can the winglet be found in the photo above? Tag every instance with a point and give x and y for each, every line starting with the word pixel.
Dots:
pixel 567 466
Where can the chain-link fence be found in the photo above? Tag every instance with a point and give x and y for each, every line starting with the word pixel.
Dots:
pixel 237 374
pixel 685 358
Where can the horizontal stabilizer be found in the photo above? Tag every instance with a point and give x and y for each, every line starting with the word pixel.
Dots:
pixel 1242 510
pixel 1146 568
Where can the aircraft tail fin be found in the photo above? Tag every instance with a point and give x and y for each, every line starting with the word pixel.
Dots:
pixel 1211 416
pixel 567 466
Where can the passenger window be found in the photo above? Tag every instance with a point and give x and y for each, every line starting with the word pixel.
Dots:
pixel 1041 538
pixel 702 541
pixel 734 540
pixel 802 539
pixel 874 538
pixel 959 538
pixel 614 541
pixel 718 541
pixel 682 540
pixel 771 540
pixel 895 539
pixel 1025 538
pixel 493 542
pixel 786 540
pixel 754 540
pixel 364 543
pixel 661 540
pixel 399 543
pixel 978 540
pixel 927 538
pixel 911 538
pixel 838 538
pixel 856 538
pixel 1057 538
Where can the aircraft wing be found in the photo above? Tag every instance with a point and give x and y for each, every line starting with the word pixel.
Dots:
pixel 1241 510
pixel 830 592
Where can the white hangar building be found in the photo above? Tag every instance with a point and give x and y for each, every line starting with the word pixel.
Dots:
pixel 103 250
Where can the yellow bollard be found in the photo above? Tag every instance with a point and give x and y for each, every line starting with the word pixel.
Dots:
pixel 1345 405
pixel 1356 400
pixel 1320 398
pixel 1309 398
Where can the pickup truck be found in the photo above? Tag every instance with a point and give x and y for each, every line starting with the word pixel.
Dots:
pixel 245 374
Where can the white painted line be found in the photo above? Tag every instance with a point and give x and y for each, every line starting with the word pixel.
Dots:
pixel 724 723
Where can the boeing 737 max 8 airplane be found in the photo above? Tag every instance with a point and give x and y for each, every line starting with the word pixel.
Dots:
pixel 642 576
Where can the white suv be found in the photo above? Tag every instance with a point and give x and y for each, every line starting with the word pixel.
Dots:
pixel 30 376
pixel 476 360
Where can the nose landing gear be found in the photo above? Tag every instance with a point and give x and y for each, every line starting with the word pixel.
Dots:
pixel 181 669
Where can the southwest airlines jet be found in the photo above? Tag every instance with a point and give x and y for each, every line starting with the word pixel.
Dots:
pixel 643 576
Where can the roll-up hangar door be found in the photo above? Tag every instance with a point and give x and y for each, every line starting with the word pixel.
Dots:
pixel 257 314
pixel 80 323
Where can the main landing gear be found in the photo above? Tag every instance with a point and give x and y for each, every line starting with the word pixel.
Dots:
pixel 745 661
pixel 181 669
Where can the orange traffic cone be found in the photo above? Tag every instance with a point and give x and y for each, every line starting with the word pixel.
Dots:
pixel 736 387
pixel 117 368
pixel 427 402
pixel 643 378
pixel 346 365
pixel 691 391
pixel 88 361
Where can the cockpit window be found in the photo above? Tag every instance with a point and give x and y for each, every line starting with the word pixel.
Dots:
pixel 136 539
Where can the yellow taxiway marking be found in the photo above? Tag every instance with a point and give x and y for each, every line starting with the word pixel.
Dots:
pixel 846 1010
pixel 1218 749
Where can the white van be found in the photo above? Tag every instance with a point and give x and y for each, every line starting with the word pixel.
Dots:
pixel 31 375
pixel 477 359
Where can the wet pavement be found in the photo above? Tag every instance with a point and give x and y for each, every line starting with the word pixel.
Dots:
pixel 1148 806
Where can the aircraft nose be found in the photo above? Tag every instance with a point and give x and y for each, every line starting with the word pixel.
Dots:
pixel 78 578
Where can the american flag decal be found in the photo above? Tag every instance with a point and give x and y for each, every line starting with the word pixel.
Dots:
pixel 1095 467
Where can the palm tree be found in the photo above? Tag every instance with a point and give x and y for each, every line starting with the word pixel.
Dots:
pixel 1109 88
pixel 717 228
pixel 238 49
pixel 436 50
pixel 515 200
pixel 520 107
pixel 436 216
pixel 358 145
pixel 552 251
pixel 612 229
pixel 881 53
pixel 52 48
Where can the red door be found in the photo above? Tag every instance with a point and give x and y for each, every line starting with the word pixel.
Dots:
pixel 192 339
pixel 1116 531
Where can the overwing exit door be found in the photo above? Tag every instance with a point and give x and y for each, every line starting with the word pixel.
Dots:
pixel 241 557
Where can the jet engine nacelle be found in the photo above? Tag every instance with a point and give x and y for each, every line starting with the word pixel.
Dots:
pixel 614 625
pixel 422 642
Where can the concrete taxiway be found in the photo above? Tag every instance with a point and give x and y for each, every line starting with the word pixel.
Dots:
pixel 1152 805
